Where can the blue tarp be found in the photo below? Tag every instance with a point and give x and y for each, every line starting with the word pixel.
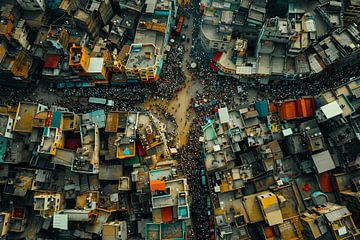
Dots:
pixel 262 107
pixel 56 119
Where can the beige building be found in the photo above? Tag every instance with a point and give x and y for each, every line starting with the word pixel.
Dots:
pixel 47 203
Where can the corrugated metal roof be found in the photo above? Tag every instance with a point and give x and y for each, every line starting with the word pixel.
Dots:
pixel 60 221
pixel 337 214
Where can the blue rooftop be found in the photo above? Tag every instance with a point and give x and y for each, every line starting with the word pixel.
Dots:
pixel 183 212
pixel 56 119
pixel 98 117
pixel 262 108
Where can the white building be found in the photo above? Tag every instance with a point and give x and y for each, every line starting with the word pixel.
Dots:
pixel 328 111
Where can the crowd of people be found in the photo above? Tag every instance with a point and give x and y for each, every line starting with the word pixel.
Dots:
pixel 128 97
pixel 312 85
pixel 216 90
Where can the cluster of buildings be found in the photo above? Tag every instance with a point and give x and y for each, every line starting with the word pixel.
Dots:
pixel 286 170
pixel 80 43
pixel 244 43
pixel 103 175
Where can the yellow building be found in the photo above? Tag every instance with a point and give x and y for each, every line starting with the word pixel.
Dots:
pixel 47 203
pixel 53 124
pixel 143 62
pixel 270 208
pixel 79 58
pixel 4 223
pixel 91 67
pixel 114 230
pixel 7 21
pixel 97 70
pixel 25 115
pixel 51 140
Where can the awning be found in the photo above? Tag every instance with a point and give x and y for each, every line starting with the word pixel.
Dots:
pixel 157 185
pixel 217 56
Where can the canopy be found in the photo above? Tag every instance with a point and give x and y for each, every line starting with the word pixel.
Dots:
pixel 157 185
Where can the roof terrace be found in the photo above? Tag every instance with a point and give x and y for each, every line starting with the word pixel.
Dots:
pixel 168 196
pixel 24 117
pixel 141 56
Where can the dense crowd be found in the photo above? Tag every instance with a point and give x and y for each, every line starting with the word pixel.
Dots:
pixel 216 90
pixel 127 98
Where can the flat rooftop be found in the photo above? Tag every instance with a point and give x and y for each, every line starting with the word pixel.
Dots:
pixel 175 186
pixel 69 121
pixel 48 140
pixel 264 64
pixel 225 60
pixel 278 64
pixel 283 26
pixel 214 161
pixel 257 13
pixel 158 174
pixel 141 56
pixel 236 119
pixel 145 36
pixel 131 124
pixel 210 32
pixel 174 230
pixel 112 122
pixel 24 117
pixel 344 38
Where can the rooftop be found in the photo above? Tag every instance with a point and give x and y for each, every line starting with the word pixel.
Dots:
pixel 142 56
pixel 171 199
pixel 211 32
pixel 24 117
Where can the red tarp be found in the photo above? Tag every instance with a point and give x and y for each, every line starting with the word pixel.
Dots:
pixel 166 214
pixel 217 56
pixel 52 61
